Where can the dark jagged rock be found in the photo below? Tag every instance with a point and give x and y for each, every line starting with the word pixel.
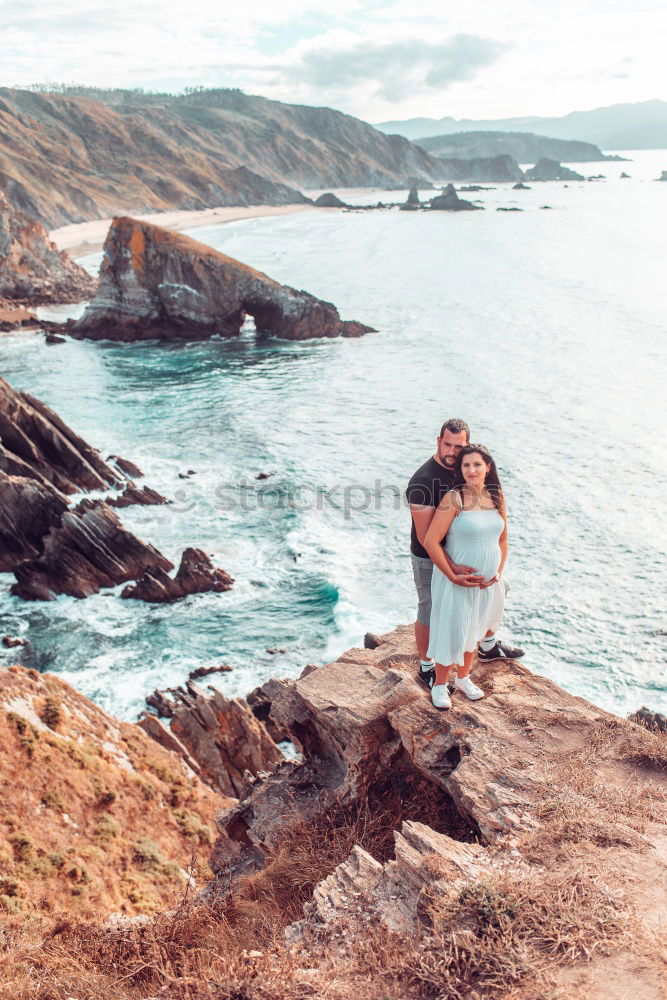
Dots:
pixel 157 283
pixel 196 575
pixel 126 466
pixel 551 170
pixel 259 703
pixel 513 208
pixel 221 668
pixel 36 443
pixel 625 177
pixel 652 720
pixel 133 494
pixel 12 641
pixel 330 200
pixel 449 201
pixel 371 641
pixel 86 550
pixel 521 187
pixel 32 269
pixel 222 735
pixel 413 197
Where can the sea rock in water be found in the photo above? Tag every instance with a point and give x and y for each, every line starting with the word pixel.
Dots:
pixel 663 176
pixel 86 550
pixel 196 575
pixel 449 201
pixel 330 200
pixel 521 187
pixel 157 283
pixel 37 444
pixel 31 267
pixel 133 494
pixel 551 170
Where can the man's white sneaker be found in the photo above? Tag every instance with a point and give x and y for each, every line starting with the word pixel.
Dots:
pixel 440 696
pixel 469 689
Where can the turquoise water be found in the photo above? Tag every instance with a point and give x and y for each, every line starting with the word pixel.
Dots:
pixel 544 329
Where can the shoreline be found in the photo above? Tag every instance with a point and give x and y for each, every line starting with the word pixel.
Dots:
pixel 82 238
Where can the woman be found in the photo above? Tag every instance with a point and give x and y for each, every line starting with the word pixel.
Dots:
pixel 471 519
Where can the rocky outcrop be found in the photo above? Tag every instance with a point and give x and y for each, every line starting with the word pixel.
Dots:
pixel 551 170
pixel 133 494
pixel 482 169
pixel 86 550
pixel 364 720
pixel 96 817
pixel 449 201
pixel 229 744
pixel 37 444
pixel 32 269
pixel 157 283
pixel 663 176
pixel 196 575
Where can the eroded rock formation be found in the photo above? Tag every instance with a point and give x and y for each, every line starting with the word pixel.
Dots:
pixel 32 269
pixel 223 737
pixel 364 720
pixel 157 283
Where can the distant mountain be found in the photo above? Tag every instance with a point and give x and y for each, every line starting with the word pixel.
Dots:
pixel 522 146
pixel 83 153
pixel 609 128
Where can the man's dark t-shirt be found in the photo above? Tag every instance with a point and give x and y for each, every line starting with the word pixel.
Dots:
pixel 427 487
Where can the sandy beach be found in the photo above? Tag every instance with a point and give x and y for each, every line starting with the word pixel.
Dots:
pixel 82 238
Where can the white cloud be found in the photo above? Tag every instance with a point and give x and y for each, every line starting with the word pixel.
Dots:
pixel 377 60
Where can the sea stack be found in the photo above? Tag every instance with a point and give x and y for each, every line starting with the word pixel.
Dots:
pixel 155 283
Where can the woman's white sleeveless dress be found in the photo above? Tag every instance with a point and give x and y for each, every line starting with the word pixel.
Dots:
pixel 461 616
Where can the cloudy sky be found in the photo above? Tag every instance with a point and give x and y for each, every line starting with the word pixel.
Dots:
pixel 375 59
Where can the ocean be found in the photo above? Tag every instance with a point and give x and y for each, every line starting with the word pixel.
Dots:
pixel 544 329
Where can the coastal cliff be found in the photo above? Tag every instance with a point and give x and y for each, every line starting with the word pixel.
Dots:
pixel 510 849
pixel 157 283
pixel 32 269
pixel 77 156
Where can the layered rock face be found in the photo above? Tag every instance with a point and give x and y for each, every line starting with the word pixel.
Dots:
pixel 157 283
pixel 36 443
pixel 31 267
pixel 227 742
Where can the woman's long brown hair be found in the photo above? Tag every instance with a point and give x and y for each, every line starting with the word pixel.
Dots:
pixel 492 480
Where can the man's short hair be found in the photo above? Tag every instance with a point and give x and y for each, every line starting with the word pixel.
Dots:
pixel 455 426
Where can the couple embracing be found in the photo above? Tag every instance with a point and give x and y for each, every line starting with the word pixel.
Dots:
pixel 458 547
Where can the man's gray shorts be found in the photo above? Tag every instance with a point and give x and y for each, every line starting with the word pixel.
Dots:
pixel 422 570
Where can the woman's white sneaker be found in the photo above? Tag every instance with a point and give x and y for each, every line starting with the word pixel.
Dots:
pixel 440 696
pixel 469 689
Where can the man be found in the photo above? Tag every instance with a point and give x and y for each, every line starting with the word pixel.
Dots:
pixel 426 488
